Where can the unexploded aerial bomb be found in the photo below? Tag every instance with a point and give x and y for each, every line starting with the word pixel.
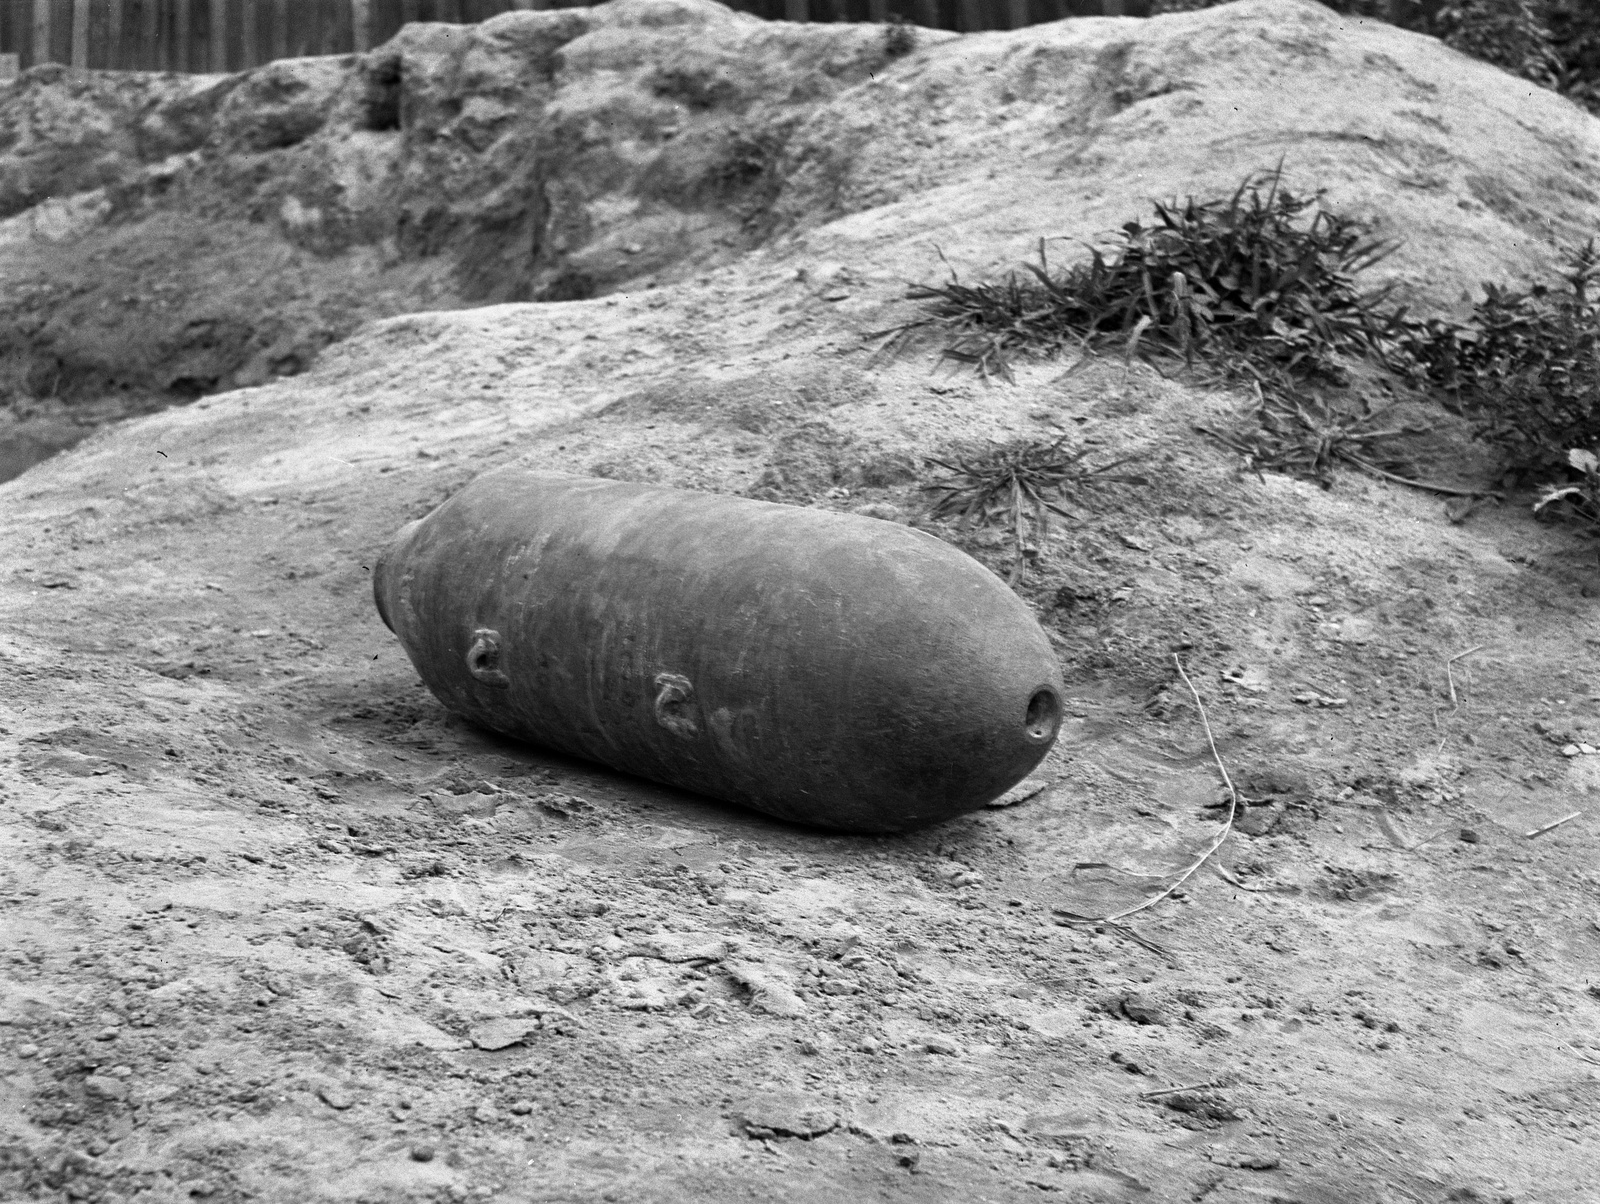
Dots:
pixel 825 668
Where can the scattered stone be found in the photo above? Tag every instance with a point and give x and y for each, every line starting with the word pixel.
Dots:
pixel 941 1045
pixel 1249 1160
pixel 422 1153
pixel 1142 1008
pixel 336 1098
pixel 1259 821
pixel 110 1033
pixel 785 1114
pixel 1468 836
pixel 158 904
pixel 504 1032
pixel 767 992
pixel 1199 1109
pixel 868 1046
pixel 886 511
pixel 522 1107
pixel 1570 750
pixel 105 1087
pixel 27 1051
pixel 678 947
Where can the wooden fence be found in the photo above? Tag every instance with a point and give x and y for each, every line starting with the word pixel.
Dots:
pixel 231 35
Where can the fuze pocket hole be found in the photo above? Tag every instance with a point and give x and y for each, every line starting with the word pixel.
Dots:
pixel 1044 716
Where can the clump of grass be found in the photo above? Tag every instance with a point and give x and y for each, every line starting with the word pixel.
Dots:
pixel 1511 34
pixel 1015 485
pixel 1263 288
pixel 1305 435
pixel 1526 368
pixel 1265 277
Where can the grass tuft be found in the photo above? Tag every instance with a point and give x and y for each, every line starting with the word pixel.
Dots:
pixel 1265 277
pixel 1014 485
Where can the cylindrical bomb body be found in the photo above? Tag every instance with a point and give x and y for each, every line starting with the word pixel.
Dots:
pixel 824 668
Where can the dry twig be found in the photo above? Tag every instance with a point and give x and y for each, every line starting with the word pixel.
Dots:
pixel 1553 824
pixel 1449 673
pixel 1233 810
pixel 1207 1085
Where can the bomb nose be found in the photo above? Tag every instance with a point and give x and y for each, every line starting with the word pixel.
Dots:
pixel 1043 719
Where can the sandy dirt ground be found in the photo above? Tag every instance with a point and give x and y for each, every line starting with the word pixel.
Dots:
pixel 277 927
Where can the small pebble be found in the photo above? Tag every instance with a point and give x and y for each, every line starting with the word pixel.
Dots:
pixel 109 1033
pixel 335 1098
pixel 1468 836
pixel 103 1086
pixel 522 1107
pixel 27 1051
pixel 422 1153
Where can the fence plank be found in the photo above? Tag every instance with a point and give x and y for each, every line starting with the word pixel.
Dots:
pixel 222 35
pixel 249 34
pixel 80 33
pixel 217 43
pixel 41 32
pixel 149 37
pixel 100 39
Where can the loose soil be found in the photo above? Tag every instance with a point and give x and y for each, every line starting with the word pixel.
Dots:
pixel 278 927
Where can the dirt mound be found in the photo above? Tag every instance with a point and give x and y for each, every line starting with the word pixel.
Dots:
pixel 152 222
pixel 278 925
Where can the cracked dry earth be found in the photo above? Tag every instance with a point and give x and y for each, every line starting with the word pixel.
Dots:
pixel 276 927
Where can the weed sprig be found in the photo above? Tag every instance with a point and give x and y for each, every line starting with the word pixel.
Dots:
pixel 1526 368
pixel 1248 278
pixel 1014 483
